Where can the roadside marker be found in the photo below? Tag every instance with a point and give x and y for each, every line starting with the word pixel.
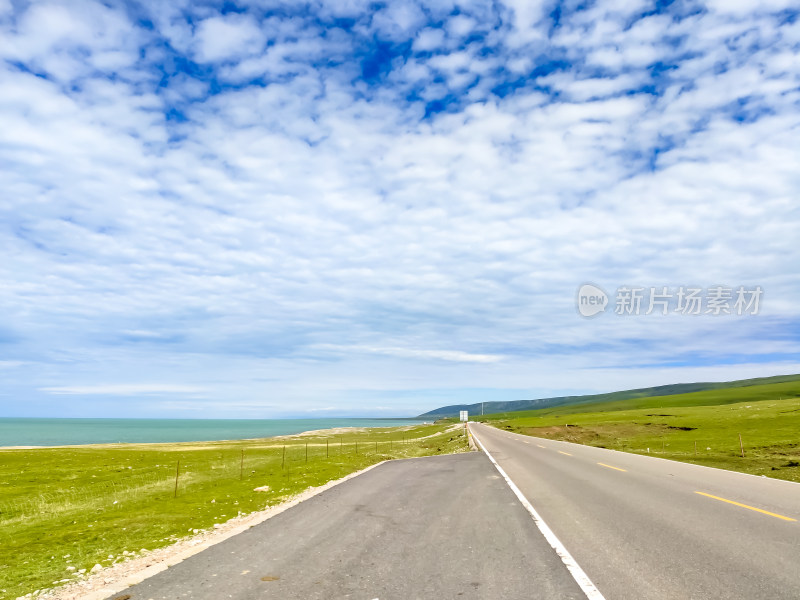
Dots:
pixel 610 467
pixel 766 512
pixel 581 578
pixel 567 453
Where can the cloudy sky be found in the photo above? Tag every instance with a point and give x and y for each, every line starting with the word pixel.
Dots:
pixel 277 209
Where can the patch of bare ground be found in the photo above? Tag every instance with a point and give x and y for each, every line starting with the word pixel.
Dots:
pixel 598 435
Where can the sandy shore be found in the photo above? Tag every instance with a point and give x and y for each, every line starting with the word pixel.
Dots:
pixel 344 430
pixel 313 432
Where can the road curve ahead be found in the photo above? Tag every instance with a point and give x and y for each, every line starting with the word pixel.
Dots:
pixel 444 527
pixel 643 528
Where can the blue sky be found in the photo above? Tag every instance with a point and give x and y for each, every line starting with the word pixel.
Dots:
pixel 276 209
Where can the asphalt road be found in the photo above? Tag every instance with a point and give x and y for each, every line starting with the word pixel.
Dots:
pixel 644 528
pixel 445 527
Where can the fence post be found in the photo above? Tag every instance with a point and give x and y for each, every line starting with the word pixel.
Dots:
pixel 241 467
pixel 695 448
pixel 327 449
pixel 177 473
pixel 741 445
pixel 283 460
pixel 306 452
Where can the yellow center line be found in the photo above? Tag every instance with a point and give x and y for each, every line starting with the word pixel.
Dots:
pixel 766 512
pixel 567 453
pixel 540 446
pixel 610 467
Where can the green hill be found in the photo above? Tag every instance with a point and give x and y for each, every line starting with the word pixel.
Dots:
pixel 750 426
pixel 617 400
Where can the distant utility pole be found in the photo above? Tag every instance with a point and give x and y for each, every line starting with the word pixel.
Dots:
pixel 481 408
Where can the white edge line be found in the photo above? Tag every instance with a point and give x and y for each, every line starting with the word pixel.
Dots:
pixel 581 578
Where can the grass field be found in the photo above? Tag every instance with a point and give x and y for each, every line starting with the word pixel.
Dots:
pixel 71 508
pixel 701 427
pixel 619 398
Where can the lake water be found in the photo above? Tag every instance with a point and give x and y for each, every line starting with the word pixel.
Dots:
pixel 62 432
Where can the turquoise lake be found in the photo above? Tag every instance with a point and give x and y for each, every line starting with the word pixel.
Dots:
pixel 62 432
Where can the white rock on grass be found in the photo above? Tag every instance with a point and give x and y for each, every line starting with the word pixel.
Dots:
pixel 96 568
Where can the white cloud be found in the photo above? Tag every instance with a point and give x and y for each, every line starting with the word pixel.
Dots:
pixel 144 334
pixel 69 40
pixel 747 7
pixel 229 37
pixel 416 353
pixel 132 389
pixel 583 90
pixel 398 20
pixel 11 364
pixel 428 39
pixel 453 61
pixel 526 19
pixel 460 25
pixel 318 236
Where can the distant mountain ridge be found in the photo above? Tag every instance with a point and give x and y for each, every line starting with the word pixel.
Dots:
pixel 661 390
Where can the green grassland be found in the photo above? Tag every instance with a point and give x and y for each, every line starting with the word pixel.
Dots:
pixel 83 505
pixel 581 403
pixel 766 416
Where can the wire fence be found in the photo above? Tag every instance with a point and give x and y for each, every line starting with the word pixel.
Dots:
pixel 110 485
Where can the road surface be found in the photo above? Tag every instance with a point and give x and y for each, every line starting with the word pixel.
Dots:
pixel 444 527
pixel 644 528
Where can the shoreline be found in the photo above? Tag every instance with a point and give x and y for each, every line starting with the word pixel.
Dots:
pixel 310 432
pixel 216 487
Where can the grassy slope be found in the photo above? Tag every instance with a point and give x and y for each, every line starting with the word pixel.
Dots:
pixel 77 506
pixel 767 417
pixel 559 401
